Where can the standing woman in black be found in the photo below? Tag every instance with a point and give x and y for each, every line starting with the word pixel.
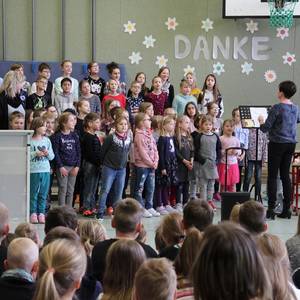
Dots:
pixel 10 98
pixel 167 87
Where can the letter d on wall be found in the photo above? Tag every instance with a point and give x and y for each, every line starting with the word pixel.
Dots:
pixel 187 46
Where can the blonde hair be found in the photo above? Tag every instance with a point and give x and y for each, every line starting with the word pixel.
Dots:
pixel 276 261
pixel 178 132
pixel 171 229
pixel 62 263
pixel 139 118
pixel 122 262
pixel 27 230
pixel 144 106
pixel 10 81
pixel 156 122
pixel 166 120
pixel 235 212
pixel 155 279
pixel 63 119
pixel 91 232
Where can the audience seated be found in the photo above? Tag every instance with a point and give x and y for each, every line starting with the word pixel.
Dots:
pixel 29 231
pixel 127 221
pixel 252 216
pixel 229 266
pixel 18 281
pixel 155 279
pixel 122 262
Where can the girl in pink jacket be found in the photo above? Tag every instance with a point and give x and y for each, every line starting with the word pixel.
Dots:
pixel 145 161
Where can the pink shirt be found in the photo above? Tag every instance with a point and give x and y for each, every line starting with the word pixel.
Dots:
pixel 226 143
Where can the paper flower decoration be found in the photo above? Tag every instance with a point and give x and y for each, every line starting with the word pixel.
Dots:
pixel 171 23
pixel 270 76
pixel 289 58
pixel 149 41
pixel 129 27
pixel 218 68
pixel 188 69
pixel 282 32
pixel 207 24
pixel 135 58
pixel 252 26
pixel 247 68
pixel 161 61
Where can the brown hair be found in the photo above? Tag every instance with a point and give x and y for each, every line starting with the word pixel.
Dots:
pixel 276 261
pixel 27 230
pixel 204 119
pixel 39 112
pixel 90 117
pixel 63 119
pixel 252 216
pixel 171 229
pixel 158 239
pixel 128 214
pixel 65 61
pixel 197 120
pixel 188 252
pixel 123 260
pixel 15 115
pixel 37 123
pixel 162 69
pixel 90 64
pixel 62 263
pixel 184 82
pixel 156 122
pixel 144 106
pixel 216 92
pixel 139 118
pixel 15 67
pixel 233 111
pixel 197 213
pixel 91 232
pixel 155 279
pixel 142 236
pixel 228 253
pixel 61 232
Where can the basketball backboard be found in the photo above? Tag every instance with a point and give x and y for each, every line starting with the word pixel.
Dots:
pixel 250 9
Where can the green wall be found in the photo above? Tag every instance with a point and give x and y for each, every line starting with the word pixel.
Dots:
pixel 150 16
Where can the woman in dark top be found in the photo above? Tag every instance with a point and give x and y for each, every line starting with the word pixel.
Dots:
pixel 167 87
pixel 11 98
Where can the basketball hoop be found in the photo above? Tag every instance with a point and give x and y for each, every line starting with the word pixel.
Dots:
pixel 282 13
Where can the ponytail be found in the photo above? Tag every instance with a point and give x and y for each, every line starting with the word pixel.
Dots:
pixel 47 288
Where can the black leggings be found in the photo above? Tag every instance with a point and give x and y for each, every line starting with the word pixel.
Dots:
pixel 279 158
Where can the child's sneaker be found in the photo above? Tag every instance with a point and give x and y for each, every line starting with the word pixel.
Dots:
pixel 179 207
pixel 100 217
pixel 212 205
pixel 217 197
pixel 87 213
pixel 146 214
pixel 153 212
pixel 41 218
pixel 170 209
pixel 161 210
pixel 33 218
pixel 110 211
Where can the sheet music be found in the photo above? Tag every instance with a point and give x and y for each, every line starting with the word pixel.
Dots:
pixel 256 112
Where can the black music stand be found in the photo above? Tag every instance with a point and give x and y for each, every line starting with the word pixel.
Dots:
pixel 249 119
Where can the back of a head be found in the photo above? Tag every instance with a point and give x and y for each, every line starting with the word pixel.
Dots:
pixel 62 264
pixel 155 279
pixel 61 232
pixel 127 215
pixel 22 253
pixel 188 252
pixel 61 216
pixel 3 220
pixel 197 213
pixel 27 230
pixel 276 261
pixel 228 259
pixel 122 262
pixel 252 216
pixel 171 229
pixel 235 212
pixel 288 88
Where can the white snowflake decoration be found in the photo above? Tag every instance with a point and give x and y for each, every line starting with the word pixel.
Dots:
pixel 188 69
pixel 247 68
pixel 129 27
pixel 171 23
pixel 218 68
pixel 149 41
pixel 289 58
pixel 282 32
pixel 207 24
pixel 161 61
pixel 135 58
pixel 252 26
pixel 270 76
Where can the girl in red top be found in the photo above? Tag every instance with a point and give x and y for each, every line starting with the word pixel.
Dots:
pixel 113 94
pixel 157 97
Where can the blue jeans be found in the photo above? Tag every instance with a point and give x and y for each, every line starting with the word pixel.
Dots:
pixel 39 187
pixel 249 173
pixel 111 177
pixel 91 174
pixel 144 179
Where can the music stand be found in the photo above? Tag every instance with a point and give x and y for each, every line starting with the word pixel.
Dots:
pixel 249 119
